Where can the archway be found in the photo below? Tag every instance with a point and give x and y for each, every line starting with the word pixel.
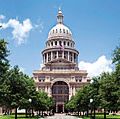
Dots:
pixel 60 93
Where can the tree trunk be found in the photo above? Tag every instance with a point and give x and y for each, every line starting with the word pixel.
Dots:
pixel 26 112
pixel 87 112
pixel 104 114
pixel 83 113
pixel 94 113
pixel 32 113
pixel 16 113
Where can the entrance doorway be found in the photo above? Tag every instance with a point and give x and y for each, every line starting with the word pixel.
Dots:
pixel 60 108
pixel 60 94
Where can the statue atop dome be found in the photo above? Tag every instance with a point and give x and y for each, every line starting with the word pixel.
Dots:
pixel 60 17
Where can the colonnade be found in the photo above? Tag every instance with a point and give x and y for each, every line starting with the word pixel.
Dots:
pixel 65 43
pixel 70 56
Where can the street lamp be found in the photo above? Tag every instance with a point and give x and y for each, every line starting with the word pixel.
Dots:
pixel 91 101
pixel 30 100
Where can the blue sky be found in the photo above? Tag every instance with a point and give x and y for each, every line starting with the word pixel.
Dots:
pixel 95 25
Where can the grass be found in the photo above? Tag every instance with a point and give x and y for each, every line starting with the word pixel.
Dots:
pixel 108 117
pixel 19 117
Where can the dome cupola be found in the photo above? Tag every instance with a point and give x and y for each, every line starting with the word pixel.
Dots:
pixel 60 30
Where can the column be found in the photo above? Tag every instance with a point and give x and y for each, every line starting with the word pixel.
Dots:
pixel 70 92
pixel 63 108
pixel 63 54
pixel 51 55
pixel 49 91
pixel 46 89
pixel 68 56
pixel 57 54
pixel 62 43
pixel 57 43
pixel 53 43
pixel 43 59
pixel 72 57
pixel 74 90
pixel 47 57
pixel 56 108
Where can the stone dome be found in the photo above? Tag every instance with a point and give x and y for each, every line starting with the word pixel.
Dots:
pixel 60 30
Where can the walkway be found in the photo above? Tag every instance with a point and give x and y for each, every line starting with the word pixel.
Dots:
pixel 61 116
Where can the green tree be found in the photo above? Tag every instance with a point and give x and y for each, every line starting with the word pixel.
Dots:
pixel 4 67
pixel 116 61
pixel 19 89
pixel 43 102
pixel 70 106
pixel 107 91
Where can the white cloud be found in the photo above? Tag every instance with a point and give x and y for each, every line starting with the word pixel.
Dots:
pixel 102 64
pixel 39 26
pixel 2 17
pixel 20 31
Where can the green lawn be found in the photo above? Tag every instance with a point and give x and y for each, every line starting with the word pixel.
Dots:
pixel 108 117
pixel 19 117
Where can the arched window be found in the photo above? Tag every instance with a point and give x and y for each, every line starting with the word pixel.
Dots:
pixel 55 42
pixel 60 31
pixel 56 30
pixel 51 43
pixel 60 43
pixel 67 31
pixel 63 30
pixel 68 44
pixel 53 30
pixel 64 43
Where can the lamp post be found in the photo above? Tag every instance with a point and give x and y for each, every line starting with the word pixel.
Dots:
pixel 30 100
pixel 91 101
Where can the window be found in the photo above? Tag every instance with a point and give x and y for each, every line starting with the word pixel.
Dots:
pixel 56 30
pixel 60 31
pixel 78 78
pixel 54 55
pixel 68 43
pixel 51 43
pixel 63 30
pixel 67 31
pixel 53 31
pixel 49 56
pixel 55 42
pixel 41 78
pixel 64 43
pixel 60 43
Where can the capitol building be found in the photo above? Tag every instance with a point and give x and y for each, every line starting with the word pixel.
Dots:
pixel 60 76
